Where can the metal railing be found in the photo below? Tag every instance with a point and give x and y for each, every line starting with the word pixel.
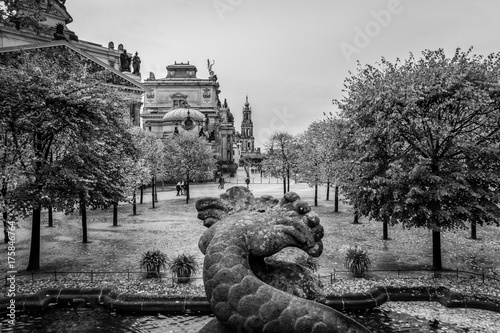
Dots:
pixel 258 180
pixel 485 274
pixel 106 276
pixel 95 276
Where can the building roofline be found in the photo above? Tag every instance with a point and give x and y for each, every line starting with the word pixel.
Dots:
pixel 68 45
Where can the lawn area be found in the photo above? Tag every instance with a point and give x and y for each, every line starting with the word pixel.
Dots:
pixel 173 228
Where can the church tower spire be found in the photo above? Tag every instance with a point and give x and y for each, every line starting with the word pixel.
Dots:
pixel 247 138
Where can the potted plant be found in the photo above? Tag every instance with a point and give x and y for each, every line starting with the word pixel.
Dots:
pixel 183 266
pixel 356 261
pixel 152 261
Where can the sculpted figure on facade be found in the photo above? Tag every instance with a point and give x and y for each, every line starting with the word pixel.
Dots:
pixel 125 60
pixel 209 66
pixel 230 117
pixel 136 61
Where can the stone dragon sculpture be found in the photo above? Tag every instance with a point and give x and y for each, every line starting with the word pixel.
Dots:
pixel 246 291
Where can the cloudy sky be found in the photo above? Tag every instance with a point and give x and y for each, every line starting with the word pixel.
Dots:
pixel 289 56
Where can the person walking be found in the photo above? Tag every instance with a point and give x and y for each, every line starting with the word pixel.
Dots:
pixel 178 188
pixel 221 182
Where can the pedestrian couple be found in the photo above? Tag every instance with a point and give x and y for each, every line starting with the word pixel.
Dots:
pixel 221 182
pixel 180 187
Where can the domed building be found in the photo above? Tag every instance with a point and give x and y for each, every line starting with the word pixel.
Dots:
pixel 183 119
pixel 181 102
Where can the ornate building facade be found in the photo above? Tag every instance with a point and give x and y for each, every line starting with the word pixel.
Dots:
pixel 247 139
pixel 248 153
pixel 46 29
pixel 181 101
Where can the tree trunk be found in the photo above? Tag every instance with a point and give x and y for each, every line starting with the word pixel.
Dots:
pixel 315 194
pixel 434 205
pixel 156 191
pixel 473 230
pixel 115 214
pixel 284 184
pixel 134 204
pixel 83 210
pixel 5 226
pixel 436 250
pixel 51 220
pixel 336 200
pixel 153 191
pixel 356 216
pixel 328 190
pixel 34 260
pixel 142 192
pixel 385 232
pixel 187 188
pixel 288 180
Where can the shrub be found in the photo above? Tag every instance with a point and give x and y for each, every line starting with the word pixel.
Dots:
pixel 183 266
pixel 153 261
pixel 356 260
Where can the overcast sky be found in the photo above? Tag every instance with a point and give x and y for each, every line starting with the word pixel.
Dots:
pixel 289 56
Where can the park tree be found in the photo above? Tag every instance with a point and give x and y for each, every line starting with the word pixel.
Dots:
pixel 187 156
pixel 426 136
pixel 137 171
pixel 311 153
pixel 63 122
pixel 337 154
pixel 93 175
pixel 23 14
pixel 340 160
pixel 10 177
pixel 150 159
pixel 281 157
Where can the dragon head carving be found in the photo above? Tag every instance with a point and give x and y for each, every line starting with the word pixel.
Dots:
pixel 268 224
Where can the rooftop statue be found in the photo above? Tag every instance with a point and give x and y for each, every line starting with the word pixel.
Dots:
pixel 125 61
pixel 230 117
pixel 248 293
pixel 211 73
pixel 209 66
pixel 136 63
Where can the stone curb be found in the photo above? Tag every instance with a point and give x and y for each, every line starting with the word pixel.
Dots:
pixel 380 295
pixel 108 298
pixel 143 304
